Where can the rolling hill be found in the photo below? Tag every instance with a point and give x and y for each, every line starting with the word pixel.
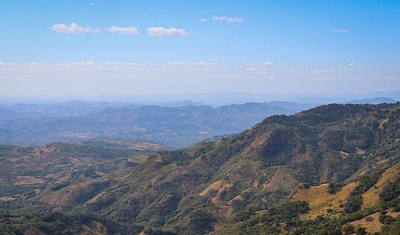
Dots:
pixel 26 171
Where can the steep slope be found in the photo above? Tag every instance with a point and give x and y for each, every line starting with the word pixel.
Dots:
pixel 213 185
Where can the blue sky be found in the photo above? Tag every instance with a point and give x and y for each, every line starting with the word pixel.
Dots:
pixel 104 47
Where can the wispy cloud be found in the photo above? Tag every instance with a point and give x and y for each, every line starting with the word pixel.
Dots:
pixel 234 20
pixel 219 18
pixel 227 19
pixel 351 65
pixel 164 32
pixel 151 31
pixel 129 30
pixel 43 79
pixel 73 28
pixel 340 30
pixel 267 64
pixel 200 63
pixel 203 20
pixel 209 11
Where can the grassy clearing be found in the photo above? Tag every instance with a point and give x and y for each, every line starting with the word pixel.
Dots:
pixel 371 197
pixel 320 200
pixel 220 186
pixel 371 223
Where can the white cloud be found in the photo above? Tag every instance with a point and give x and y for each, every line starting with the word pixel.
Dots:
pixel 234 20
pixel 340 30
pixel 164 32
pixel 129 30
pixel 200 63
pixel 73 28
pixel 352 64
pixel 219 18
pixel 267 64
pixel 78 64
pixel 203 20
pixel 227 19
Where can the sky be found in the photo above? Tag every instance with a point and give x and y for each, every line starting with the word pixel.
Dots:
pixel 54 48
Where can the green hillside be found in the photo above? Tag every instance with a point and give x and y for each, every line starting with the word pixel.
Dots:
pixel 277 177
pixel 27 171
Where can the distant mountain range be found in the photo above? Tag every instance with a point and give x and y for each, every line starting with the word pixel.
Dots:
pixel 175 124
pixel 210 99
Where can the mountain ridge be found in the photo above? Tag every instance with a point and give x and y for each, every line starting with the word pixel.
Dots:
pixel 247 183
pixel 258 168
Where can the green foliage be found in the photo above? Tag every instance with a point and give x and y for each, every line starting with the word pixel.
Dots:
pixel 60 185
pixel 200 222
pixel 366 181
pixel 353 204
pixel 53 223
pixel 9 190
pixel 270 221
pixel 334 139
pixel 391 190
pixel 358 137
pixel 277 142
pixel 386 219
pixel 392 228
pixel 329 113
pixel 348 229
pixel 333 187
pixel 361 231
pixel 149 231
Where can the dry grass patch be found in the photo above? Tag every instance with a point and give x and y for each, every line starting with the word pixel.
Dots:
pixel 62 197
pixel 94 227
pixel 371 223
pixel 382 123
pixel 225 211
pixel 25 180
pixel 7 199
pixel 220 186
pixel 371 197
pixel 320 200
